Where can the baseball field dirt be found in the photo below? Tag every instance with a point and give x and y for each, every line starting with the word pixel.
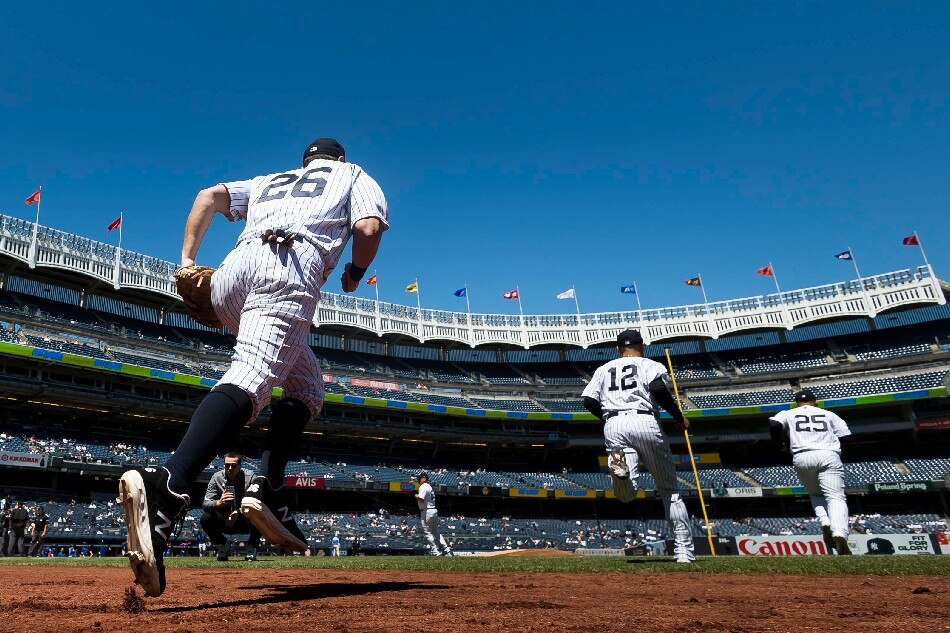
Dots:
pixel 242 598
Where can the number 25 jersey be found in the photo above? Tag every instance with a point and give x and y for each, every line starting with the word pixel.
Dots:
pixel 812 429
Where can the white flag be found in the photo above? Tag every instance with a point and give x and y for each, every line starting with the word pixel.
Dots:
pixel 567 294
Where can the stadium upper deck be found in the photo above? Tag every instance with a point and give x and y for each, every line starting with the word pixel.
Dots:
pixel 89 263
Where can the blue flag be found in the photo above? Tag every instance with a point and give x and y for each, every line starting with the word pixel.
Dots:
pixel 844 254
pixel 461 292
pixel 630 290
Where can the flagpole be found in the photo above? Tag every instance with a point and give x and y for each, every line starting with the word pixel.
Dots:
pixel 864 289
pixel 702 287
pixel 576 304
pixel 36 228
pixel 118 256
pixel 775 279
pixel 379 325
pixel 468 305
pixel 520 309
pixel 920 245
pixel 636 291
pixel 419 306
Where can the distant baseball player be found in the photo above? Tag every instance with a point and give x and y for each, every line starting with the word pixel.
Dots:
pixel 38 535
pixel 429 516
pixel 19 517
pixel 266 291
pixel 625 393
pixel 812 435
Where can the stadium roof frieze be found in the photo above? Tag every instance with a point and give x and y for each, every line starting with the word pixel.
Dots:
pixel 151 279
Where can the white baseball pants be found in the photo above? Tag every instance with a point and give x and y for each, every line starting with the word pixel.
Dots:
pixel 430 528
pixel 639 436
pixel 267 294
pixel 822 475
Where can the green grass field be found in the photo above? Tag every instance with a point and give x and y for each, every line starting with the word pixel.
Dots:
pixel 829 565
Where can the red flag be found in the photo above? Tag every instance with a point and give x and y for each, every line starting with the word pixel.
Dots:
pixel 35 197
pixel 371 281
pixel 511 294
pixel 911 240
pixel 116 223
pixel 765 270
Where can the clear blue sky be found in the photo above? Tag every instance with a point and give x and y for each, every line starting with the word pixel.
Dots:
pixel 536 144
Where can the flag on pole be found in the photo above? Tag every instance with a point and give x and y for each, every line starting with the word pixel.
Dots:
pixel 630 290
pixel 413 287
pixel 461 292
pixel 910 240
pixel 116 223
pixel 845 255
pixel 766 270
pixel 371 281
pixel 694 281
pixel 511 294
pixel 35 197
pixel 567 294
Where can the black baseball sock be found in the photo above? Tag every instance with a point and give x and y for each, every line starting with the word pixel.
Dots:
pixel 219 418
pixel 288 418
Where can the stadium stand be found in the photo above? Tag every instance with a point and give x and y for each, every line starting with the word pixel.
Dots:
pixel 506 404
pixel 783 362
pixel 705 400
pixel 872 386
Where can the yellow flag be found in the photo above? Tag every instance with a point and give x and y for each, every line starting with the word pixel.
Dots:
pixel 413 287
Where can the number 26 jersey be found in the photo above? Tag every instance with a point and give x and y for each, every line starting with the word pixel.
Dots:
pixel 811 429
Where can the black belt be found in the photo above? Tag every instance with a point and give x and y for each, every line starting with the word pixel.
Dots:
pixel 611 413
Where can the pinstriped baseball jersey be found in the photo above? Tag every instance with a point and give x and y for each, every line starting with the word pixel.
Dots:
pixel 624 382
pixel 812 429
pixel 321 202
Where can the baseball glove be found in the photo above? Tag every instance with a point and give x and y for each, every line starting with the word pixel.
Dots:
pixel 194 286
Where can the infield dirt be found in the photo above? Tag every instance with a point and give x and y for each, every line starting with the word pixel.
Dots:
pixel 93 599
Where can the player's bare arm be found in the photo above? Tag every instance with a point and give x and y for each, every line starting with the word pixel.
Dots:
pixel 367 233
pixel 208 202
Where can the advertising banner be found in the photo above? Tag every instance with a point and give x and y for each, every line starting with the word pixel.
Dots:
pixel 641 494
pixel 24 460
pixel 699 458
pixel 402 486
pixel 812 545
pixel 374 384
pixel 901 486
pixel 575 494
pixel 293 481
pixel 527 492
pixel 933 424
pixel 727 491
pixel 790 490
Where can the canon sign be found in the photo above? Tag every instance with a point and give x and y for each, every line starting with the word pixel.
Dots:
pixel 780 546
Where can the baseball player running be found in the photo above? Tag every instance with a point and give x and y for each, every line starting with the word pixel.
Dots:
pixel 429 517
pixel 625 394
pixel 813 436
pixel 266 291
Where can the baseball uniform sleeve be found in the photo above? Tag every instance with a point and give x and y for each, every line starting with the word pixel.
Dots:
pixel 211 496
pixel 592 390
pixel 367 200
pixel 839 426
pixel 240 192
pixel 653 371
pixel 781 417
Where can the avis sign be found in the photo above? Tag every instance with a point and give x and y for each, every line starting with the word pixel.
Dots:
pixel 23 460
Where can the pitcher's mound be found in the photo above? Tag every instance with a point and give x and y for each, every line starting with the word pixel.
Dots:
pixel 529 552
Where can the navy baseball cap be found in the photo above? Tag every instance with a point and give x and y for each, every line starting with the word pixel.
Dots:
pixel 628 338
pixel 324 145
pixel 805 395
pixel 421 475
